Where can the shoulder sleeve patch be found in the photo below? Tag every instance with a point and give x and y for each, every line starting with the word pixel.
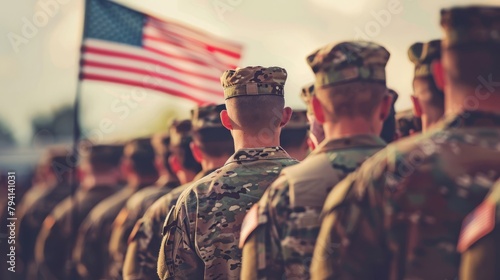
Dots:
pixel 250 223
pixel 476 225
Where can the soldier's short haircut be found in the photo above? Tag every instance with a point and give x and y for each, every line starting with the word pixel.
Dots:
pixel 435 98
pixel 214 141
pixel 141 154
pixel 161 144
pixel 351 99
pixel 181 148
pixel 467 64
pixel 253 113
pixel 102 158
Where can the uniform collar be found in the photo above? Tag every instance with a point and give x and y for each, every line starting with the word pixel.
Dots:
pixel 253 154
pixel 470 119
pixel 363 140
pixel 202 174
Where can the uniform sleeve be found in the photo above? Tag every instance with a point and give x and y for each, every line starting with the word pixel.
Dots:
pixel 50 250
pixel 117 243
pixel 262 258
pixel 145 241
pixel 350 243
pixel 178 257
pixel 134 264
pixel 481 259
pixel 89 252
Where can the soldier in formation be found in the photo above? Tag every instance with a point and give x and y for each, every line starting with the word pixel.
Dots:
pixel 222 195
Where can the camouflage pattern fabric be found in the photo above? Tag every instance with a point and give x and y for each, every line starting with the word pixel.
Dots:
pixel 57 238
pixel 134 209
pixel 145 239
pixel 202 233
pixel 399 216
pixel 287 221
pixel 470 25
pixel 253 80
pixel 207 116
pixel 348 61
pixel 91 250
pixel 480 259
pixel 31 216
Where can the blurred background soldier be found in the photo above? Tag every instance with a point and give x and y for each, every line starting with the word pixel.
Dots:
pixel 294 135
pixel 54 185
pixel 100 174
pixel 280 238
pixel 400 215
pixel 388 132
pixel 428 96
pixel 91 249
pixel 201 233
pixel 145 239
pixel 316 133
pixel 137 204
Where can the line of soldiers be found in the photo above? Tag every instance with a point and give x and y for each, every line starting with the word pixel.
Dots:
pixel 223 195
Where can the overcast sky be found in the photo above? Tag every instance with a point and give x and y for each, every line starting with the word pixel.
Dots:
pixel 39 74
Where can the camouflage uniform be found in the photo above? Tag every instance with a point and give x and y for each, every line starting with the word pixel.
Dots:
pixel 480 258
pixel 283 227
pixel 30 222
pixel 134 208
pixel 91 248
pixel 57 236
pixel 36 206
pixel 399 215
pixel 202 231
pixel 145 240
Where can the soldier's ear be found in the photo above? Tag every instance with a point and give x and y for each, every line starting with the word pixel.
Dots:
pixel 438 74
pixel 197 154
pixel 158 163
pixel 175 164
pixel 126 167
pixel 385 110
pixel 225 120
pixel 318 110
pixel 286 115
pixel 417 109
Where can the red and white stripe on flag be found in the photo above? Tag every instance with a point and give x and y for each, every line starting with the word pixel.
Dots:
pixel 174 59
pixel 476 225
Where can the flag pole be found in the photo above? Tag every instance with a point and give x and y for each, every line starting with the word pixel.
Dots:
pixel 71 270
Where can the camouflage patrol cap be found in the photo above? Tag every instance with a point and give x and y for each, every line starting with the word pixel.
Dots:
pixel 422 55
pixel 349 62
pixel 306 95
pixel 254 80
pixel 180 130
pixel 207 116
pixel 470 25
pixel 298 120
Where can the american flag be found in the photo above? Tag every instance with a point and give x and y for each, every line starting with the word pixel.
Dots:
pixel 124 46
pixel 476 225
